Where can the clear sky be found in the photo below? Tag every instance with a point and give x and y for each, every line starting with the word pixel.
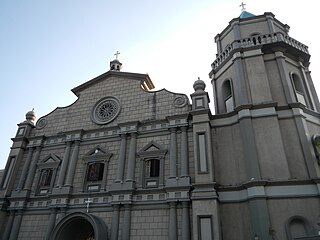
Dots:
pixel 49 47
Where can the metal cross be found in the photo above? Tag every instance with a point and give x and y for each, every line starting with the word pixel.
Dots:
pixel 88 203
pixel 242 6
pixel 116 54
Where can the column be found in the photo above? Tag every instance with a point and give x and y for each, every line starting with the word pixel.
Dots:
pixel 172 221
pixel 16 226
pixel 173 153
pixel 285 79
pixel 122 158
pixel 52 222
pixel 242 95
pixel 64 165
pixel 25 169
pixel 32 169
pixel 115 222
pixel 132 158
pixel 126 222
pixel 185 221
pixel 218 41
pixel 184 152
pixel 73 164
pixel 270 24
pixel 7 231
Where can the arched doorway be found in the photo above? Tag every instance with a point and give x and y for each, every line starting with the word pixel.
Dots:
pixel 80 226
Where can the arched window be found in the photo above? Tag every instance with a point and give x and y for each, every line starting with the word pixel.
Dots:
pixel 299 89
pixel 227 96
pixel 298 227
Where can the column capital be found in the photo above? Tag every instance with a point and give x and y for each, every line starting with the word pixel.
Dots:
pixel 134 134
pixel 173 129
pixel 185 203
pixel 172 204
pixel 127 206
pixel 123 135
pixel 184 128
pixel 116 207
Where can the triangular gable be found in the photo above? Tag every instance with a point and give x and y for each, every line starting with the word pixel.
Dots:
pixel 51 161
pixel 151 149
pixel 97 153
pixel 144 79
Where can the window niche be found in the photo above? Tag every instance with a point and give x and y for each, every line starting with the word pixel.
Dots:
pixel 299 89
pixel 298 227
pixel 152 164
pixel 47 169
pixel 228 96
pixel 316 146
pixel 96 164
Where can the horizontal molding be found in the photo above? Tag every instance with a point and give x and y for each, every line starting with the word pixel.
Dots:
pixel 284 191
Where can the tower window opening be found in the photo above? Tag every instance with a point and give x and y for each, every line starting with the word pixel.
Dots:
pixel 299 89
pixel 228 96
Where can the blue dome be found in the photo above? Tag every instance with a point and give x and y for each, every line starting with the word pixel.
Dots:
pixel 246 14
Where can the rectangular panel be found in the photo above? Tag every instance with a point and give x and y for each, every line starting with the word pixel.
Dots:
pixel 202 148
pixel 205 228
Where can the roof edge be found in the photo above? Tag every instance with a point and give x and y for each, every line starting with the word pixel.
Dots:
pixel 143 78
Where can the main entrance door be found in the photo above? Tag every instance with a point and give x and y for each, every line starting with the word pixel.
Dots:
pixel 80 226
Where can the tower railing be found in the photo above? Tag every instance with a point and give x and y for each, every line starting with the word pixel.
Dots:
pixel 256 41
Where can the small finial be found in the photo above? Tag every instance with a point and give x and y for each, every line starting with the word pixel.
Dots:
pixel 242 7
pixel 198 78
pixel 116 54
pixel 32 109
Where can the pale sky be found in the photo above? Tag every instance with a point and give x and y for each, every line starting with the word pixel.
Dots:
pixel 49 47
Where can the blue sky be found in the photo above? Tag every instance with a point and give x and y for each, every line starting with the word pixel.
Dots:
pixel 49 47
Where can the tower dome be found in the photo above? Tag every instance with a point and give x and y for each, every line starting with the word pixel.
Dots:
pixel 31 116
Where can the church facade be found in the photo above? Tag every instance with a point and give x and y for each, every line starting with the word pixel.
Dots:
pixel 125 162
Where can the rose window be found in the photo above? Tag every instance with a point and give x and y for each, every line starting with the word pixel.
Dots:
pixel 106 110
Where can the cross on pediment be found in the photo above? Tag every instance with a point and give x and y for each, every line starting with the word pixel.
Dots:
pixel 242 6
pixel 117 54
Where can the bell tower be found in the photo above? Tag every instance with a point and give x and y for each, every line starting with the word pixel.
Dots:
pixel 263 91
pixel 258 63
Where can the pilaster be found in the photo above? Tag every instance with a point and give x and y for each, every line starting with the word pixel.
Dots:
pixel 185 221
pixel 64 164
pixel 132 158
pixel 16 226
pixel 73 164
pixel 25 169
pixel 32 170
pixel 122 158
pixel 52 222
pixel 126 222
pixel 115 222
pixel 184 152
pixel 172 234
pixel 173 153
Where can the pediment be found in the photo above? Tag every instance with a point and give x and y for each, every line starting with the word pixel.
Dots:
pixel 152 148
pixel 51 161
pixel 97 153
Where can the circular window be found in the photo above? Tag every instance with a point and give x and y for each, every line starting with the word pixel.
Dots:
pixel 41 123
pixel 105 110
